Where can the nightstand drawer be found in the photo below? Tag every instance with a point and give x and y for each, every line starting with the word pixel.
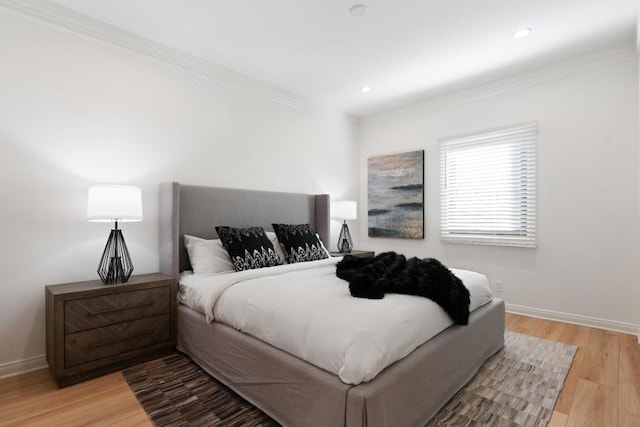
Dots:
pixel 95 312
pixel 94 344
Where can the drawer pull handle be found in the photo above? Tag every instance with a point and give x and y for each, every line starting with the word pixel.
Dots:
pixel 120 339
pixel 110 310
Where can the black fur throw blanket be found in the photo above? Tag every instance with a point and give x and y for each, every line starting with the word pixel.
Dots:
pixel 390 272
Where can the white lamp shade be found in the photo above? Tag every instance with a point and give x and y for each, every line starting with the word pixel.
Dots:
pixel 346 209
pixel 109 203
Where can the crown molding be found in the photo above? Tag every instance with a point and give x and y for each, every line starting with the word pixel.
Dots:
pixel 78 23
pixel 546 74
pixel 70 20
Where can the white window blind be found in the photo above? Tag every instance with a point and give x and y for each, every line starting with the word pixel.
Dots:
pixel 488 187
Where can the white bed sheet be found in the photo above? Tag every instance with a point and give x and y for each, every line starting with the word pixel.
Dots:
pixel 305 310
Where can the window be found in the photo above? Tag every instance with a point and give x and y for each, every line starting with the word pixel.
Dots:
pixel 488 187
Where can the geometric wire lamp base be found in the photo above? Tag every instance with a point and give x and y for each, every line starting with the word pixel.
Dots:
pixel 115 265
pixel 345 244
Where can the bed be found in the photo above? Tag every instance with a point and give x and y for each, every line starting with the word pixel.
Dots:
pixel 294 392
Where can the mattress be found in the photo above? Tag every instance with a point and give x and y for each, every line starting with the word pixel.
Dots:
pixel 305 310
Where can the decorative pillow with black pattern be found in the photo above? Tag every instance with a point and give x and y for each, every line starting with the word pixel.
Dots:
pixel 248 248
pixel 299 242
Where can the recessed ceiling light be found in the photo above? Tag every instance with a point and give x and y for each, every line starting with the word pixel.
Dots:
pixel 365 89
pixel 522 33
pixel 358 10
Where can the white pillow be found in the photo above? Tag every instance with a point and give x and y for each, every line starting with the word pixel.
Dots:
pixel 276 245
pixel 207 256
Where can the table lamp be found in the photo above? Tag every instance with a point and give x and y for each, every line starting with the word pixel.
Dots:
pixel 115 203
pixel 344 210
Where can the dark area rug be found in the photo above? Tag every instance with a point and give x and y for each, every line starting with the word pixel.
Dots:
pixel 517 386
pixel 174 391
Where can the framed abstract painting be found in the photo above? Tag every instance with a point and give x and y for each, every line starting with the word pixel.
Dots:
pixel 396 195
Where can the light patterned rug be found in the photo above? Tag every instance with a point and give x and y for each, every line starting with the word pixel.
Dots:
pixel 518 386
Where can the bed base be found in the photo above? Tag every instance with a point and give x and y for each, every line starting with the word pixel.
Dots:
pixel 294 393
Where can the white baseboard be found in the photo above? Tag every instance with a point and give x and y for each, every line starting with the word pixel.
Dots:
pixel 39 362
pixel 576 319
pixel 22 366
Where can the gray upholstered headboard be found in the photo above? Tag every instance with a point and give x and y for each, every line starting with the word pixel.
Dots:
pixel 196 210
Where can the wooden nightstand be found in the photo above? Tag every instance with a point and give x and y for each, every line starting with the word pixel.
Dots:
pixel 93 329
pixel 362 254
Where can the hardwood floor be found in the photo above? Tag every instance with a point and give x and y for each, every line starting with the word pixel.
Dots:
pixel 601 390
pixel 33 399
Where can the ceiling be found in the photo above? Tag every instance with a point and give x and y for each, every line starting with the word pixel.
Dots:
pixel 404 50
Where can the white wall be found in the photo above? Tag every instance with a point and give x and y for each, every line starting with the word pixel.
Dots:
pixel 75 111
pixel 588 254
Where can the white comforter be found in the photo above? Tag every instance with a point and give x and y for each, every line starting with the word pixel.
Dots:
pixel 305 310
